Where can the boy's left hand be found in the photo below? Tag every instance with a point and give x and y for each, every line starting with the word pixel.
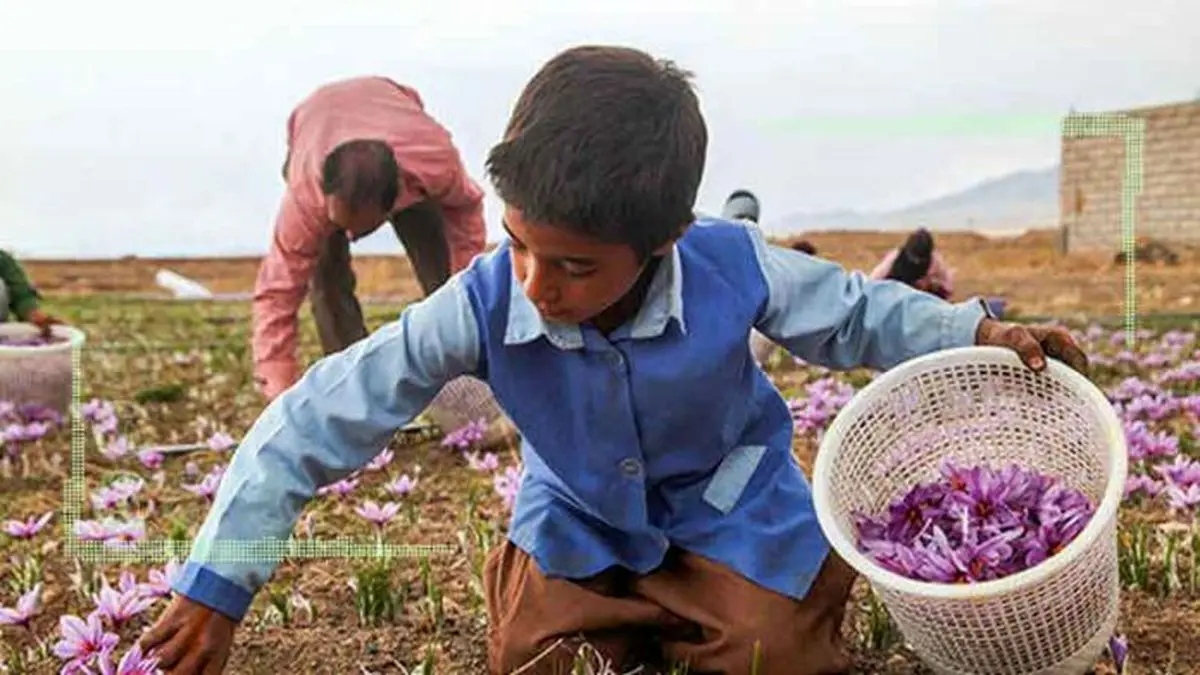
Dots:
pixel 1033 343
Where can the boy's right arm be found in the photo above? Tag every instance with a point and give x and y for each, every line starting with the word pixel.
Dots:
pixel 338 417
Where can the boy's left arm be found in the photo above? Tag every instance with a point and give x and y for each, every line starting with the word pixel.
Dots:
pixel 825 315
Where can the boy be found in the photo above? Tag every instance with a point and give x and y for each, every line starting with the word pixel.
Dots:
pixel 360 151
pixel 659 496
pixel 19 299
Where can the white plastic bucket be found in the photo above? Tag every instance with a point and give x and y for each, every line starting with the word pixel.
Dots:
pixel 981 405
pixel 41 375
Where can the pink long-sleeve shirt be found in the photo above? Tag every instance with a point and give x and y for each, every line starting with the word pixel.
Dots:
pixel 939 277
pixel 431 168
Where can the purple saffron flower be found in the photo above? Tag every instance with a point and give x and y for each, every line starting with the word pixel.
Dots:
pixel 83 641
pixel 220 442
pixel 158 584
pixel 487 463
pixel 29 528
pixel 1183 472
pixel 376 514
pixel 115 449
pixel 381 461
pixel 401 486
pixel 208 486
pixel 26 609
pixel 1138 484
pixel 507 485
pixel 466 436
pixel 1182 499
pixel 120 606
pixel 341 489
pixel 1118 648
pixel 133 663
pixel 151 458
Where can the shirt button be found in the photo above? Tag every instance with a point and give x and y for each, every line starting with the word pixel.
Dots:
pixel 631 467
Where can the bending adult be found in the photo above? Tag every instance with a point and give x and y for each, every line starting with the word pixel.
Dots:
pixel 361 151
pixel 917 264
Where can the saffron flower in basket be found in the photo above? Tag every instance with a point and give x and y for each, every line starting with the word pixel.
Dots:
pixel 975 524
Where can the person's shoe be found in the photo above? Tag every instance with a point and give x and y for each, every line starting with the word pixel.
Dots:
pixel 914 258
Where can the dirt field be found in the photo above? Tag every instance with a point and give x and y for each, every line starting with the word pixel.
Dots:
pixel 1026 270
pixel 178 372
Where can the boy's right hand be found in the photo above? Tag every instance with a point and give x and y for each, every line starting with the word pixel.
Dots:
pixel 190 639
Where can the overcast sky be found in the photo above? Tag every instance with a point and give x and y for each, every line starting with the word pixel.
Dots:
pixel 159 127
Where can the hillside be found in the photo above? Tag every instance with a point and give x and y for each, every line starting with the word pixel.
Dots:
pixel 1016 201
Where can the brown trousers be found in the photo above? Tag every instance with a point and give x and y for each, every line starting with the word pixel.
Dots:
pixel 336 310
pixel 691 610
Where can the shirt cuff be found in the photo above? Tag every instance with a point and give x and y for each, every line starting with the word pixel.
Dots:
pixel 202 585
pixel 961 323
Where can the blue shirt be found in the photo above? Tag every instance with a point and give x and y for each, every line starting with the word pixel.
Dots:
pixel 663 433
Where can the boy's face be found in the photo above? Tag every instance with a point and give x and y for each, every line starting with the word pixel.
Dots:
pixel 570 277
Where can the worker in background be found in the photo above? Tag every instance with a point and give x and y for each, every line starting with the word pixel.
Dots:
pixel 19 299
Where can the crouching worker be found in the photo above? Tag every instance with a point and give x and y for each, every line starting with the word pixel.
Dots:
pixel 916 263
pixel 19 298
pixel 660 512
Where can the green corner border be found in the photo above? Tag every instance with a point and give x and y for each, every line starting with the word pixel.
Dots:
pixel 163 550
pixel 1132 131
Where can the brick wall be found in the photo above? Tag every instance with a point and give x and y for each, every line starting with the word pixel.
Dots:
pixel 1168 208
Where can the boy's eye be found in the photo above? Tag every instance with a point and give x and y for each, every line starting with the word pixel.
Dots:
pixel 578 271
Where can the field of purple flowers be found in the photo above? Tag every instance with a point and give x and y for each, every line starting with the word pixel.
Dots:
pixel 162 376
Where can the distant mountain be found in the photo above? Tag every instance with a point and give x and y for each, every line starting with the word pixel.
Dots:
pixel 1016 201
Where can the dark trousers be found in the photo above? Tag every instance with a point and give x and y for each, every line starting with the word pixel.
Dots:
pixel 336 310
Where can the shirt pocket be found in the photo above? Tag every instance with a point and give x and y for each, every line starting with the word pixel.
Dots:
pixel 731 477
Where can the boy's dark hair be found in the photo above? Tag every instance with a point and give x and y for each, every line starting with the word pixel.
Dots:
pixel 606 141
pixel 363 173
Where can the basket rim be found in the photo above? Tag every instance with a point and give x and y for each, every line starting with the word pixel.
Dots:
pixel 1117 466
pixel 75 338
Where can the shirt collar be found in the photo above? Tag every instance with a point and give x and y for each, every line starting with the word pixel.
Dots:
pixel 664 301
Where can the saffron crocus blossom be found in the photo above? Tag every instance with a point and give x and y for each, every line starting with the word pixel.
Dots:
pixel 507 485
pixel 120 607
pixel 1141 485
pixel 27 529
pixel 466 436
pixel 401 486
pixel 82 641
pixel 1181 498
pixel 974 524
pixel 1184 374
pixel 340 489
pixel 823 400
pixel 133 663
pixel 111 531
pixel 115 449
pixel 151 458
pixel 207 487
pixel 376 514
pixel 1183 472
pixel 26 609
pixel 487 463
pixel 158 584
pixel 1118 649
pixel 221 442
pixel 381 461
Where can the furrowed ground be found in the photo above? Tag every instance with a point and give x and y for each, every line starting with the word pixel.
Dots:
pixel 179 372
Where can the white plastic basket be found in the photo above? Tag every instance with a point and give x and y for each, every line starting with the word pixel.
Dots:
pixel 39 375
pixel 981 405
